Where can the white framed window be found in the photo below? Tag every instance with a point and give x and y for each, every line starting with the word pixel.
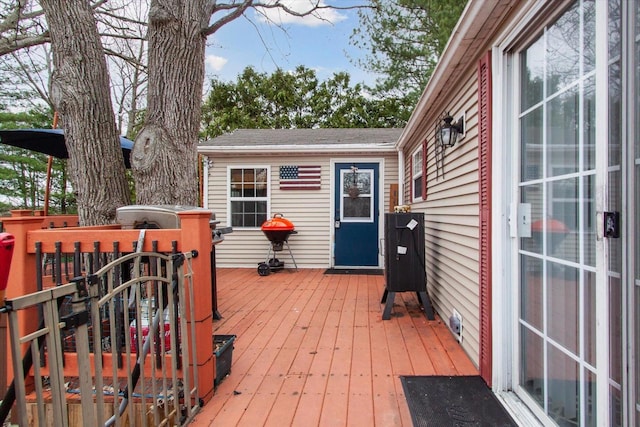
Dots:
pixel 416 175
pixel 248 193
pixel 356 195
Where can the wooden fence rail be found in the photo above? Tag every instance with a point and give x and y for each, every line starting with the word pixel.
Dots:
pixel 61 254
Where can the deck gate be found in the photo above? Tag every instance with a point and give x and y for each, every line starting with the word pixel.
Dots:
pixel 131 338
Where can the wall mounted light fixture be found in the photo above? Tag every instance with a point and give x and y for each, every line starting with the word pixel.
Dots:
pixel 447 133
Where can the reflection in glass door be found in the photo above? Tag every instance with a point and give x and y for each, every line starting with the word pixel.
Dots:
pixel 557 368
pixel 559 181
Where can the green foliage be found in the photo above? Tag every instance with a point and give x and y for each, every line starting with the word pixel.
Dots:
pixel 404 39
pixel 35 118
pixel 285 100
pixel 24 173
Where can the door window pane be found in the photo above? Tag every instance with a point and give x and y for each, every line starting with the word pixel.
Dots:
pixel 615 329
pixel 532 364
pixel 590 318
pixel 563 398
pixel 357 208
pixel 591 398
pixel 589 35
pixel 562 133
pixel 563 305
pixel 532 194
pixel 589 128
pixel 531 295
pixel 562 222
pixel 531 166
pixel 532 75
pixel 563 51
pixel 356 195
pixel 589 220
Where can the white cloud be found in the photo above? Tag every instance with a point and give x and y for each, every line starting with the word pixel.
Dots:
pixel 216 63
pixel 318 18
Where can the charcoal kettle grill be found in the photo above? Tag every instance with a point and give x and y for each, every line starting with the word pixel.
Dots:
pixel 277 230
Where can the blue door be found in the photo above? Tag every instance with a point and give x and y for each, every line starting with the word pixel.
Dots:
pixel 356 215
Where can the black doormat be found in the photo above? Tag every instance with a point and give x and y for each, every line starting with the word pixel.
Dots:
pixel 365 271
pixel 453 401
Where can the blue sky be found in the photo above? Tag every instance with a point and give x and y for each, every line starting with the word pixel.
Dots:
pixel 317 44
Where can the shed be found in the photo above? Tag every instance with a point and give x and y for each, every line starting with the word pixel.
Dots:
pixel 333 184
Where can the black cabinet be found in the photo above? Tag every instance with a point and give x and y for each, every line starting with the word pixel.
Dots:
pixel 404 252
pixel 404 259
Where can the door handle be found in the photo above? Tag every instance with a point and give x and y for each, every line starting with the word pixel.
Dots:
pixel 612 225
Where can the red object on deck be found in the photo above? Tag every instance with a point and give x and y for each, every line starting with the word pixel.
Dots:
pixel 6 253
pixel 277 229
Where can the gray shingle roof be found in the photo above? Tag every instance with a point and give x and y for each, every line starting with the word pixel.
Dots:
pixel 305 137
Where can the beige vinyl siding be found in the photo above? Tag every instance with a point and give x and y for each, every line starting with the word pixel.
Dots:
pixel 309 210
pixel 452 220
pixel 389 177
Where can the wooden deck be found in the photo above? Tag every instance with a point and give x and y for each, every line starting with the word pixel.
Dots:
pixel 313 350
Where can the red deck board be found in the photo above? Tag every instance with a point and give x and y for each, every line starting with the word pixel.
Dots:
pixel 312 349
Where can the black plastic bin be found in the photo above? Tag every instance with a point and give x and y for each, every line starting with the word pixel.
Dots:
pixel 223 349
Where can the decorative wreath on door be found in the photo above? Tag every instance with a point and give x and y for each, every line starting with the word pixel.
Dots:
pixel 353 190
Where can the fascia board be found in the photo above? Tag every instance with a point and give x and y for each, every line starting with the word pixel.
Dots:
pixel 297 148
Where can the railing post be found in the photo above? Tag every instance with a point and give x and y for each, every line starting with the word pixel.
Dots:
pixel 196 235
pixel 22 274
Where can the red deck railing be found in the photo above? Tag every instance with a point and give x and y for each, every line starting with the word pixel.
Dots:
pixel 29 228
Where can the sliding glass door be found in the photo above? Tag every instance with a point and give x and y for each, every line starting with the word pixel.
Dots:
pixel 578 187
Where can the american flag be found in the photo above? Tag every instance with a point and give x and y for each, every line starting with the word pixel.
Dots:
pixel 299 177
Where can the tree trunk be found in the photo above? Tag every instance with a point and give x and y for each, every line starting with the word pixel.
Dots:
pixel 164 157
pixel 80 93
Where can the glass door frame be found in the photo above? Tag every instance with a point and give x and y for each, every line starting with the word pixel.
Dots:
pixel 506 375
pixel 630 134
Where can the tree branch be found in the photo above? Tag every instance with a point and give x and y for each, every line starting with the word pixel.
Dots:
pixel 8 45
pixel 235 10
pixel 13 18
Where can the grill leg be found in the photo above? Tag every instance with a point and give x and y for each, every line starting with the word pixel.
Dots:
pixel 286 242
pixel 269 254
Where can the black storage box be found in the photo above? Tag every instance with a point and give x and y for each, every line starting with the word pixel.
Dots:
pixel 223 349
pixel 404 252
pixel 404 259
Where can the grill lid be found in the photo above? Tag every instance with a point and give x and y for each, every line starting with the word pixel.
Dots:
pixel 277 223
